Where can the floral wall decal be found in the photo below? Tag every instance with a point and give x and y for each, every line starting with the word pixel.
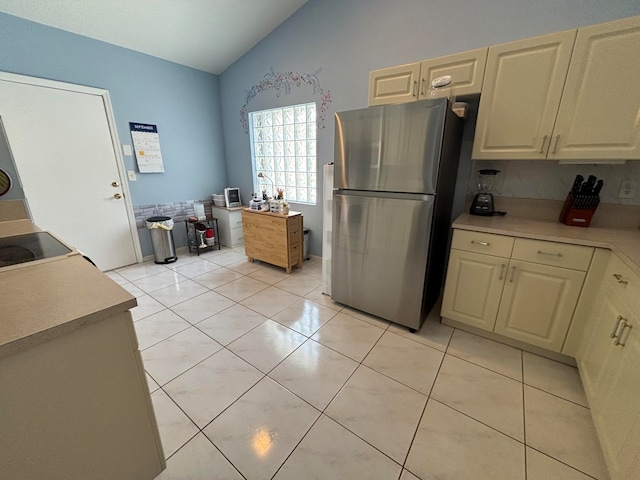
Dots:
pixel 282 82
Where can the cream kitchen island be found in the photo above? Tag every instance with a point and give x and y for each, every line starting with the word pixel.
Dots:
pixel 74 401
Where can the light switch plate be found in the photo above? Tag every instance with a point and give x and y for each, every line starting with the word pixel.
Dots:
pixel 132 175
pixel 126 150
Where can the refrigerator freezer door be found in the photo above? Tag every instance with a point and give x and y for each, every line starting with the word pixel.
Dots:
pixel 379 253
pixel 393 148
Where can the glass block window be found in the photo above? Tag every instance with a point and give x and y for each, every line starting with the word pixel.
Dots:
pixel 283 149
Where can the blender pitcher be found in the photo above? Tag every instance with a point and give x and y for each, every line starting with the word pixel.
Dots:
pixel 483 201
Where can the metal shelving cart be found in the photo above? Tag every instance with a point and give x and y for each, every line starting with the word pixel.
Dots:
pixel 195 239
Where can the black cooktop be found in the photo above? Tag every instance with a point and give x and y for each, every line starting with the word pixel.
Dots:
pixel 30 247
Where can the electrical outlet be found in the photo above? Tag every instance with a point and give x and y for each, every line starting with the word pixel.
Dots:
pixel 628 189
pixel 132 175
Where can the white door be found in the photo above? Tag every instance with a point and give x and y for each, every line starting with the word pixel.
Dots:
pixel 64 153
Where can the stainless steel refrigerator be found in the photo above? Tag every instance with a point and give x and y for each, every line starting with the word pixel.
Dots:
pixel 394 182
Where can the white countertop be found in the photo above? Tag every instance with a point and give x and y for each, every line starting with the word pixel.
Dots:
pixel 44 299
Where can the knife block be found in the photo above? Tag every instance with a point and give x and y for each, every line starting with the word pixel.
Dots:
pixel 579 209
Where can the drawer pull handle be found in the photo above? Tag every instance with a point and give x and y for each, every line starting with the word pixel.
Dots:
pixel 415 84
pixel 544 140
pixel 484 244
pixel 555 145
pixel 540 252
pixel 618 341
pixel 501 272
pixel 513 272
pixel 618 277
pixel 616 326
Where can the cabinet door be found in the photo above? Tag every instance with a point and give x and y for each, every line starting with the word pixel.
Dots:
pixel 394 85
pixel 538 303
pixel 598 116
pixel 597 348
pixel 620 406
pixel 466 70
pixel 520 97
pixel 473 288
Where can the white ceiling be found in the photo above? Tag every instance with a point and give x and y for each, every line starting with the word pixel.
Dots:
pixel 208 35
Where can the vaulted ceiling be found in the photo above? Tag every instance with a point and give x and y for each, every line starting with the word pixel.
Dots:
pixel 208 35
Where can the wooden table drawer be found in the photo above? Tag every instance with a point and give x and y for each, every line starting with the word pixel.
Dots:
pixel 576 257
pixel 479 242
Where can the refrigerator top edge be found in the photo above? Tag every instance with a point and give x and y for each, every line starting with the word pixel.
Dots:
pixel 393 148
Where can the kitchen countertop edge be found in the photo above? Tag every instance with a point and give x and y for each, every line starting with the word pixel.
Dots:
pixel 623 241
pixel 43 300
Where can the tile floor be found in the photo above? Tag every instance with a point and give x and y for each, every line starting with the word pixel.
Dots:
pixel 255 374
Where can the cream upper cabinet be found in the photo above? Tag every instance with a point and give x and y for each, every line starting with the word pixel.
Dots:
pixel 520 97
pixel 394 85
pixel 408 83
pixel 599 115
pixel 466 70
pixel 566 96
pixel 609 360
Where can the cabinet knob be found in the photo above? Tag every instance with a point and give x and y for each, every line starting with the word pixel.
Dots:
pixel 618 341
pixel 616 326
pixel 618 277
pixel 540 252
pixel 501 272
pixel 484 244
pixel 544 140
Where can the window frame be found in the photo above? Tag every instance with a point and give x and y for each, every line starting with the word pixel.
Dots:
pixel 284 149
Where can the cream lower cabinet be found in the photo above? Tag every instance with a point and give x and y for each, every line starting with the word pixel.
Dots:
pixel 411 82
pixel 569 95
pixel 77 406
pixel 537 303
pixel 529 293
pixel 609 362
pixel 474 288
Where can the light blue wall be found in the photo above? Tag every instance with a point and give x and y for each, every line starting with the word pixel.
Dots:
pixel 183 102
pixel 344 38
pixel 348 38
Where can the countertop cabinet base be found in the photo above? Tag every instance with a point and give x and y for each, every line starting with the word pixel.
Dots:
pixel 78 407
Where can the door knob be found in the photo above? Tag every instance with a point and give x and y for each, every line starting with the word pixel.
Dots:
pixel 115 184
pixel 117 196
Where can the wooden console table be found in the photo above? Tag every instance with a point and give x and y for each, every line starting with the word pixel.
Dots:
pixel 273 237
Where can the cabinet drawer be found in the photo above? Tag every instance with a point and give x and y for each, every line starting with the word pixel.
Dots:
pixel 235 219
pixel 295 233
pixel 624 281
pixel 236 236
pixel 576 257
pixel 487 243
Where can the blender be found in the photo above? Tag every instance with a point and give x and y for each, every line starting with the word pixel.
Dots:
pixel 483 201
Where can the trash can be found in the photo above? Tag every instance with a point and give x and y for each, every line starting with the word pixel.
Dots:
pixel 161 230
pixel 305 244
